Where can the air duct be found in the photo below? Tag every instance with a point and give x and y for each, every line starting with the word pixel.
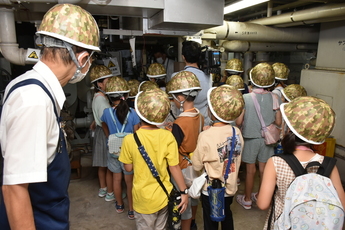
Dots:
pixel 318 13
pixel 244 46
pixel 245 31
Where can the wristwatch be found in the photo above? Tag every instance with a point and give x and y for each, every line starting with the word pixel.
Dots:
pixel 185 191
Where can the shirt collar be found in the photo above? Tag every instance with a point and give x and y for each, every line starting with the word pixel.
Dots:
pixel 51 80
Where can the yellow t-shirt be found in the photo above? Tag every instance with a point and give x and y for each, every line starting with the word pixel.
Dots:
pixel 148 196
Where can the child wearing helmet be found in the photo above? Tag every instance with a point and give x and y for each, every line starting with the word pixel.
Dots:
pixel 255 149
pixel 133 85
pixel 281 73
pixel 150 207
pixel 184 87
pixel 99 76
pixel 36 162
pixel 234 67
pixel 311 120
pixel 212 151
pixel 157 73
pixel 119 117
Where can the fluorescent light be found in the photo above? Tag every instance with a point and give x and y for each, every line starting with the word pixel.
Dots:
pixel 241 5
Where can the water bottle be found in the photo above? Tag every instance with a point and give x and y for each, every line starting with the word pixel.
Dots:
pixel 216 194
pixel 278 149
pixel 174 216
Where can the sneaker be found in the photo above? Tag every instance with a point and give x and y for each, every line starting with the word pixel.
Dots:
pixel 243 203
pixel 254 197
pixel 102 192
pixel 110 197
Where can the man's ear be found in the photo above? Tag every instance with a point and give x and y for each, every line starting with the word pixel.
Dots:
pixel 82 57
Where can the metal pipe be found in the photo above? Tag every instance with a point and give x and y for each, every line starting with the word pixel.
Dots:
pixel 247 65
pixel 245 31
pixel 327 11
pixel 269 8
pixel 244 46
pixel 339 18
pixel 279 8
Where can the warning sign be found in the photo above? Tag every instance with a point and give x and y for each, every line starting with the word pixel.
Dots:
pixel 111 64
pixel 33 55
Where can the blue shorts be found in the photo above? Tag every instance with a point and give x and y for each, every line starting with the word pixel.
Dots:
pixel 115 166
pixel 256 149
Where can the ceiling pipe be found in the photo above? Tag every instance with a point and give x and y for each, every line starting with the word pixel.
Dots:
pixel 278 8
pixel 309 22
pixel 245 31
pixel 10 2
pixel 8 41
pixel 327 11
pixel 244 46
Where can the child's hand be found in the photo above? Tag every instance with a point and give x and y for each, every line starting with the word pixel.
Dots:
pixel 184 203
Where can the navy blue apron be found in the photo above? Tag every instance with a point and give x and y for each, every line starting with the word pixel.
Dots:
pixel 50 201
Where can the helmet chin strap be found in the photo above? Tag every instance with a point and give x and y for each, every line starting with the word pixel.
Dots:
pixel 182 102
pixel 74 58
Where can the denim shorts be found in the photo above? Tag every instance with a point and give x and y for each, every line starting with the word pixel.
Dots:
pixel 115 166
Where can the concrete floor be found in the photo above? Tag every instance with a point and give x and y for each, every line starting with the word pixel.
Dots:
pixel 89 212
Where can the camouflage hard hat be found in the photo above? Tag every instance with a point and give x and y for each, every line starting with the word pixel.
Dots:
pixel 152 106
pixel 99 72
pixel 72 24
pixel 309 118
pixel 116 84
pixel 262 75
pixel 281 71
pixel 168 88
pixel 293 91
pixel 156 70
pixel 236 81
pixel 234 65
pixel 184 81
pixel 133 85
pixel 146 85
pixel 225 102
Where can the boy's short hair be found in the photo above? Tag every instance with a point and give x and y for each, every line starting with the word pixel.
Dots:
pixel 191 51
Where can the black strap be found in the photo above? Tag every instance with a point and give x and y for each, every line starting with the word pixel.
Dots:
pixel 327 165
pixel 294 164
pixel 36 82
pixel 325 169
pixel 149 163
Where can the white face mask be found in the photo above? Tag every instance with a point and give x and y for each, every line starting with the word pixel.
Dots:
pixel 78 75
pixel 160 60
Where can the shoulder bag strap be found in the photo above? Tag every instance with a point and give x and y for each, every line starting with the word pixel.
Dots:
pixel 328 165
pixel 112 116
pixel 233 140
pixel 294 164
pixel 257 108
pixel 36 82
pixel 149 163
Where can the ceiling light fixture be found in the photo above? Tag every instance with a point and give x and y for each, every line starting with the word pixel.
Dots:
pixel 242 5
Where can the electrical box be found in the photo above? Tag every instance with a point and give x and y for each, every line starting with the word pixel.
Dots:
pixel 331 49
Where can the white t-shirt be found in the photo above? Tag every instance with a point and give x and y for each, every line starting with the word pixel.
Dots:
pixel 29 131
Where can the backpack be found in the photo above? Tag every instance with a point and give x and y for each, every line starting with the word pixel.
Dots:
pixel 311 201
pixel 17 85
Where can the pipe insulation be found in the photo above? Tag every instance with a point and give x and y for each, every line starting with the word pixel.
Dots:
pixel 10 2
pixel 244 46
pixel 327 11
pixel 245 31
pixel 8 41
